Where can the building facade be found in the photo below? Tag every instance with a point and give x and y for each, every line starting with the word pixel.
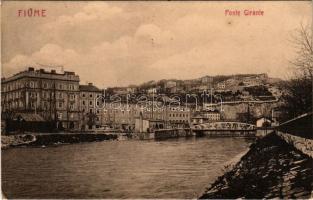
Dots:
pixel 124 115
pixel 206 116
pixel 91 106
pixel 52 95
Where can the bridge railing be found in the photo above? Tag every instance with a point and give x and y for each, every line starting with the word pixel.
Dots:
pixel 300 126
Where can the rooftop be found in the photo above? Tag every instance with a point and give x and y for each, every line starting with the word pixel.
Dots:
pixel 89 88
pixel 42 73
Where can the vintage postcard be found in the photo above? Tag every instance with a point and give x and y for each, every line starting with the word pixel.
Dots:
pixel 156 99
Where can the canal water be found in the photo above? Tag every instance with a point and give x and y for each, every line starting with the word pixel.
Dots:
pixel 175 168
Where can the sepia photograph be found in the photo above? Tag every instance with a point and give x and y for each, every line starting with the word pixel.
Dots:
pixel 156 99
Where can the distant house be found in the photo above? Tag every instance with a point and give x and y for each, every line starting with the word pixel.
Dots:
pixel 263 76
pixel 206 116
pixel 170 84
pixel 251 81
pixel 207 80
pixel 221 85
pixel 152 90
pixel 231 82
pixel 148 125
pixel 263 122
pixel 120 91
pixel 131 89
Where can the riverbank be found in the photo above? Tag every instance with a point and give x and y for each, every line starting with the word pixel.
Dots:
pixel 52 139
pixel 271 168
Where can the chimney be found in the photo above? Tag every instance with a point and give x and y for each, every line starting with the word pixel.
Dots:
pixel 31 69
pixel 90 84
pixel 53 71
pixel 42 70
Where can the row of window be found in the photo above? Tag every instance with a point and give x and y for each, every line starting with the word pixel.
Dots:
pixel 59 95
pixel 87 118
pixel 84 103
pixel 13 95
pixel 61 116
pixel 34 105
pixel 90 95
pixel 178 121
pixel 34 84
pixel 178 115
pixel 91 110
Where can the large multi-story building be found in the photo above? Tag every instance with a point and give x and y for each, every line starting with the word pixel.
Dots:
pixel 91 106
pixel 54 96
pixel 125 115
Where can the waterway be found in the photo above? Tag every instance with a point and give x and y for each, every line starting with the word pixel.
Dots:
pixel 174 168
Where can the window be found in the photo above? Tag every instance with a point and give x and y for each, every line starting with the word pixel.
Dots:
pixel 60 86
pixel 71 87
pixel 32 84
pixel 45 85
pixel 59 115
pixel 72 97
pixel 84 103
pixel 90 95
pixel 83 95
pixel 90 103
pixel 60 104
pixel 60 95
pixel 32 94
pixel 45 105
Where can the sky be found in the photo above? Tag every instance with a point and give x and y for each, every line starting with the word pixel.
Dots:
pixel 122 43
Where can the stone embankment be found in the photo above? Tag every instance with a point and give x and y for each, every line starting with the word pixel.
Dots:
pixel 272 168
pixel 172 133
pixel 52 139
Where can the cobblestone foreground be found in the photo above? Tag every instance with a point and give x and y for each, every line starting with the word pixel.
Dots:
pixel 271 169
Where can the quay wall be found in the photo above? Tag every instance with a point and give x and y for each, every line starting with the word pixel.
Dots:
pixel 302 144
pixel 164 134
pixel 298 133
pixel 278 165
pixel 271 168
pixel 52 139
pixel 172 133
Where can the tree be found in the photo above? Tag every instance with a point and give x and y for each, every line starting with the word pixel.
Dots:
pixel 298 96
pixel 303 43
